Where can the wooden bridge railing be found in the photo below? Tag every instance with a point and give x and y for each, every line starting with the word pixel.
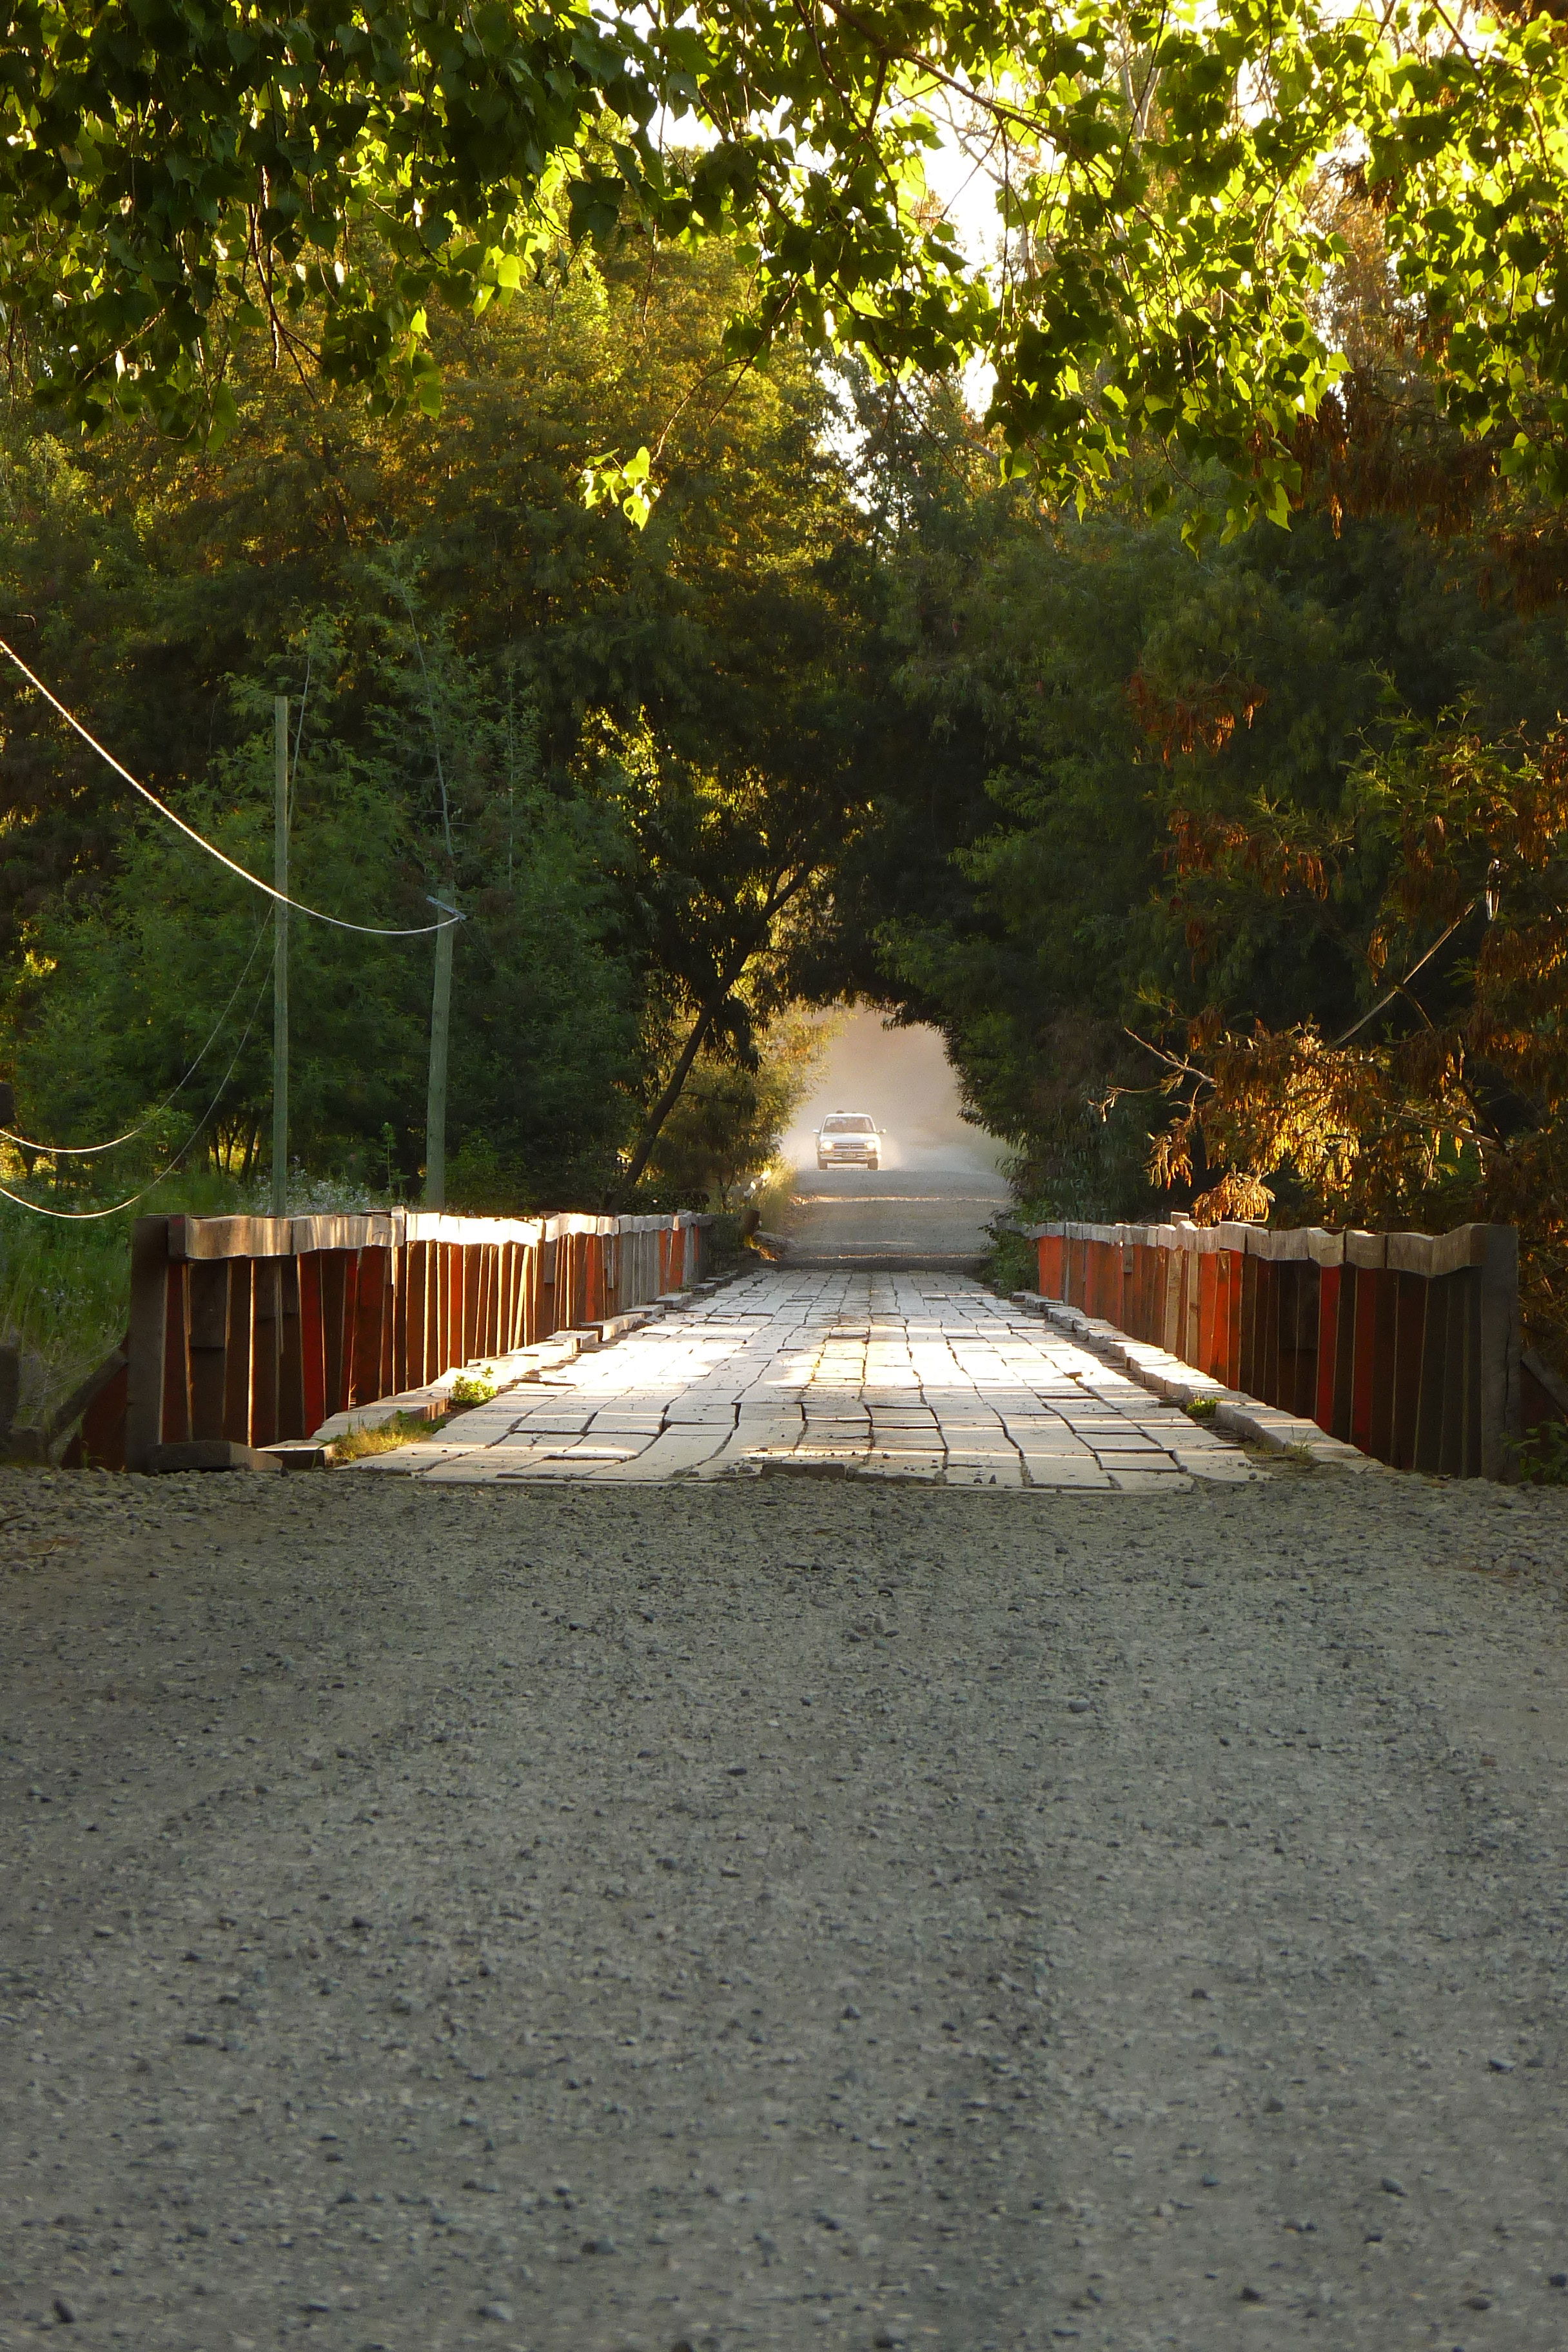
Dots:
pixel 1408 1345
pixel 258 1328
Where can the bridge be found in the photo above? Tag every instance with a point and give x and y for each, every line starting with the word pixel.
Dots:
pixel 825 1371
pixel 826 1812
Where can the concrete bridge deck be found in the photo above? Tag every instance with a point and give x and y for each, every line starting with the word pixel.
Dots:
pixel 906 1376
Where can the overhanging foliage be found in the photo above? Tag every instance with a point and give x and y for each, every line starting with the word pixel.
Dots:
pixel 178 174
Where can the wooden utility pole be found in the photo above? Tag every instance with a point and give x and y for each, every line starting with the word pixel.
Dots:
pixel 280 957
pixel 440 1030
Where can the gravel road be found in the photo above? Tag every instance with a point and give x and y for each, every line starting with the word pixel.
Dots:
pixel 787 1913
pixel 937 1217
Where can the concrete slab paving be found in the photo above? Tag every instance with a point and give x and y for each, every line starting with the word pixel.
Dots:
pixel 826 1373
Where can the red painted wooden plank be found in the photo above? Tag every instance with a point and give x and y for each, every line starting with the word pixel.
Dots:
pixel 313 1344
pixel 267 1351
pixel 399 1371
pixel 209 1300
pixel 337 1321
pixel 365 1352
pixel 1363 1370
pixel 1208 1286
pixel 1410 1303
pixel 388 1379
pixel 473 1281
pixel 1381 1437
pixel 291 1421
pixel 1237 1263
pixel 176 1412
pixel 99 1443
pixel 237 1356
pixel 1330 1282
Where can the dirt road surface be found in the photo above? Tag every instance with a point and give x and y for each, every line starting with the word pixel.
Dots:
pixel 788 1914
pixel 931 1217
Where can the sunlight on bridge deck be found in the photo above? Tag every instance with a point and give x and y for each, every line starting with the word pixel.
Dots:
pixel 901 1376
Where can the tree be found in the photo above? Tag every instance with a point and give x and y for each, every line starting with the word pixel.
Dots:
pixel 727 1128
pixel 733 877
pixel 173 179
pixel 1447 1096
pixel 122 986
pixel 1142 808
pixel 473 649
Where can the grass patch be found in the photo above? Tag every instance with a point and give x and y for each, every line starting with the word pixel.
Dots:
pixel 1542 1456
pixel 464 1392
pixel 1200 1408
pixel 65 1300
pixel 357 1444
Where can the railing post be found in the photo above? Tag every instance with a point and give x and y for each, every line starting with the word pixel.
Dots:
pixel 1051 1249
pixel 400 1374
pixel 267 1274
pixel 1192 1298
pixel 365 1341
pixel 176 1352
pixel 386 1373
pixel 1206 1266
pixel 210 1344
pixel 1497 1366
pixel 290 1354
pixel 313 1344
pixel 549 1289
pixel 1171 1304
pixel 1236 1260
pixel 149 1314
pixel 1411 1302
pixel 1331 1279
pixel 1367 1253
pixel 337 1308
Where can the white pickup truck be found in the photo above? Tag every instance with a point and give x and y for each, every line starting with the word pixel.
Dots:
pixel 847 1138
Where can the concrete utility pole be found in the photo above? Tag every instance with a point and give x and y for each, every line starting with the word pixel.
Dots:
pixel 280 958
pixel 440 1030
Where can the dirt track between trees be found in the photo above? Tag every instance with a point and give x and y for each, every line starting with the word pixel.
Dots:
pixel 787 1914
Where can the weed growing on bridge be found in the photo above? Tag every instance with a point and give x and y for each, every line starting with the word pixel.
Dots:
pixel 385 1437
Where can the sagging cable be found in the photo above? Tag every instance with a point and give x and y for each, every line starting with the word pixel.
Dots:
pixel 89 1150
pixel 338 922
pixel 90 1216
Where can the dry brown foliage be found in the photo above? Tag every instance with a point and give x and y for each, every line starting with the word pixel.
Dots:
pixel 1450 1099
pixel 1206 718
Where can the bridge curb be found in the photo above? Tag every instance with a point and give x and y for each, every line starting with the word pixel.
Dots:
pixel 1242 1416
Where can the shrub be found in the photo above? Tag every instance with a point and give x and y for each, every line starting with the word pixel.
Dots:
pixel 1542 1456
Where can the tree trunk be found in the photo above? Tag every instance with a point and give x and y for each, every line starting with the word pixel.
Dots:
pixel 779 897
pixel 668 1098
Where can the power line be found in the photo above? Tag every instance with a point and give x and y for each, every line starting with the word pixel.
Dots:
pixel 90 1216
pixel 87 1150
pixel 339 922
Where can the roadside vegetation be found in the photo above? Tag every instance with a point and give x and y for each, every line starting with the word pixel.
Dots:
pixel 1195 764
pixel 389 1436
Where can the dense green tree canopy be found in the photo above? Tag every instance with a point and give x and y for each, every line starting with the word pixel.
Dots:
pixel 645 746
pixel 1265 845
pixel 178 176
